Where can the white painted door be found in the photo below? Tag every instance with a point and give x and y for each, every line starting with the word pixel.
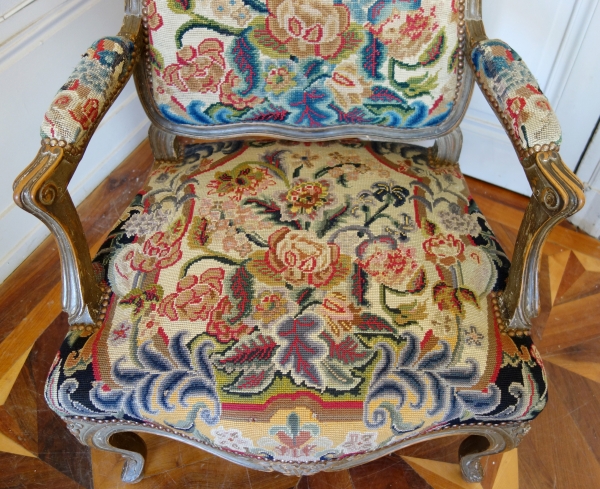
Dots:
pixel 560 42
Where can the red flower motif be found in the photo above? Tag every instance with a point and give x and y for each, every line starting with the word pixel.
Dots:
pixel 220 328
pixel 229 97
pixel 197 70
pixel 195 296
pixel 445 249
pixel 388 263
pixel 157 253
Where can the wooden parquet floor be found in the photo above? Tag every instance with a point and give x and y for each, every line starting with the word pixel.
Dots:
pixel 562 450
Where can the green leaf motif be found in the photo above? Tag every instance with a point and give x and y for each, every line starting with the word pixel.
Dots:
pixel 453 60
pixel 338 377
pixel 200 22
pixel 381 109
pixel 227 111
pixel 263 39
pixel 252 381
pixel 156 58
pixel 352 39
pixel 416 86
pixel 181 6
pixel 434 51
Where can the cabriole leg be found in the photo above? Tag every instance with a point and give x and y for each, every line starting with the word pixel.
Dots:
pixel 491 441
pixel 131 447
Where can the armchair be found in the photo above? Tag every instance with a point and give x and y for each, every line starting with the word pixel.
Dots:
pixel 314 302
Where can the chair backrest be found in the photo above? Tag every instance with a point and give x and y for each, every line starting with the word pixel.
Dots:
pixel 382 69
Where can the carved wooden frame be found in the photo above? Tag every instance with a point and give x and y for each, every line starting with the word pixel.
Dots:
pixel 42 190
pixel 119 436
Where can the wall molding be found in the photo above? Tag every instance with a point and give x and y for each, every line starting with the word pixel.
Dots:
pixel 570 46
pixel 35 34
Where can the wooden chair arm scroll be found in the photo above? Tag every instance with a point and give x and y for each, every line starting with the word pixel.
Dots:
pixel 41 189
pixel 526 115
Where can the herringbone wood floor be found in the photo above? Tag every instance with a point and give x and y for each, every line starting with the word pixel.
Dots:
pixel 562 451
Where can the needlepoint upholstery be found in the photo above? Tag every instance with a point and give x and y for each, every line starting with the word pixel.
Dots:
pixel 85 95
pixel 506 79
pixel 309 63
pixel 300 302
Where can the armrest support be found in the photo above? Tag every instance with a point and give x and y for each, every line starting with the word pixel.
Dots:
pixel 524 111
pixel 557 194
pixel 41 189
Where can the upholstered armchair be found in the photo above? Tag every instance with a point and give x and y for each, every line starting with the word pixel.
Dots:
pixel 300 285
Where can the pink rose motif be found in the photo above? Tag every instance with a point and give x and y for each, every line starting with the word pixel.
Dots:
pixel 301 259
pixel 155 20
pixel 445 249
pixel 387 262
pixel 157 253
pixel 308 27
pixel 195 296
pixel 198 69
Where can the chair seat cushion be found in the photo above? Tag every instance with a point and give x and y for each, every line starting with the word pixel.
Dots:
pixel 301 302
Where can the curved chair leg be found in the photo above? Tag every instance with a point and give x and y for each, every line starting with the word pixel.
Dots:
pixel 132 448
pixel 113 438
pixel 116 436
pixel 490 442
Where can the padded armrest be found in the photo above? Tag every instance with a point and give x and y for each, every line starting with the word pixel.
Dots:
pixel 516 97
pixel 82 100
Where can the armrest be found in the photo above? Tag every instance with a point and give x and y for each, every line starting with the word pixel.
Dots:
pixel 41 189
pixel 88 92
pixel 516 98
pixel 514 94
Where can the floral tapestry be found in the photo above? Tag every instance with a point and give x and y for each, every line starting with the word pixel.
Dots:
pixel 310 63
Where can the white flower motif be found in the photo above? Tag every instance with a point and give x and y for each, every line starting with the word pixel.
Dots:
pixel 356 442
pixel 146 224
pixel 232 439
pixel 460 223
